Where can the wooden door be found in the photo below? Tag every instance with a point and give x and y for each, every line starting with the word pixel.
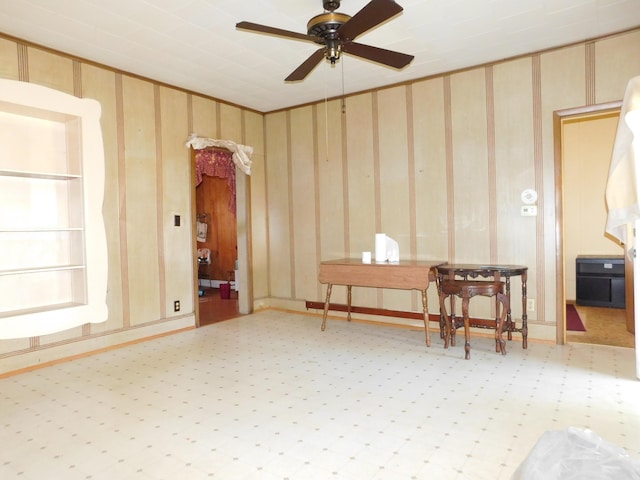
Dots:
pixel 213 199
pixel 628 293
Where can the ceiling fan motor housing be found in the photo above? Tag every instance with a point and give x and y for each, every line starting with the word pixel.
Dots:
pixel 326 24
pixel 325 28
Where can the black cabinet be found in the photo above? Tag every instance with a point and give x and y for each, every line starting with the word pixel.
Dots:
pixel 600 281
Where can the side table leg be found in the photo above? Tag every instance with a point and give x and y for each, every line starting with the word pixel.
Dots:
pixel 326 308
pixel 509 321
pixel 348 303
pixel 525 330
pixel 425 314
pixel 453 322
pixel 467 332
pixel 444 317
pixel 500 343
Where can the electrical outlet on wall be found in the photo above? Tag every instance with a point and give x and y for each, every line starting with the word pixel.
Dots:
pixel 531 305
pixel 176 305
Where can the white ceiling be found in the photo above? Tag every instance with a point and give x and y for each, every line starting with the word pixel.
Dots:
pixel 193 44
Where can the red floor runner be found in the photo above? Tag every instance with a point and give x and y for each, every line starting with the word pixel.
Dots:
pixel 574 323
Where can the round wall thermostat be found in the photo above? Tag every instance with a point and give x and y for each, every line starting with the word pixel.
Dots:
pixel 529 196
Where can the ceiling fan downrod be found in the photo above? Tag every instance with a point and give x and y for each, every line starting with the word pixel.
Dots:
pixel 330 5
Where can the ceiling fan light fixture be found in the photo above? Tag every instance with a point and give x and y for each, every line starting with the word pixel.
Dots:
pixel 333 50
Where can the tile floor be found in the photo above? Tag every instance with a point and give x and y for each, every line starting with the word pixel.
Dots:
pixel 270 396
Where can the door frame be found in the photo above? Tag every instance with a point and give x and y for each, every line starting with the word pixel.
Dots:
pixel 559 116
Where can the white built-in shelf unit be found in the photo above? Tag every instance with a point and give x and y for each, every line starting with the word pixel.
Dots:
pixel 53 253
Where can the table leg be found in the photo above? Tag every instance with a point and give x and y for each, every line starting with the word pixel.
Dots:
pixel 500 321
pixel 499 314
pixel 525 330
pixel 444 317
pixel 454 324
pixel 443 321
pixel 348 303
pixel 467 330
pixel 509 321
pixel 425 314
pixel 326 308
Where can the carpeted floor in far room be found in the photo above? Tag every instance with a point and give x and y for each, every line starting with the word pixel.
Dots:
pixel 214 308
pixel 605 326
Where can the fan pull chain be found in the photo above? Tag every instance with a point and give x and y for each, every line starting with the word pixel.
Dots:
pixel 343 104
pixel 326 125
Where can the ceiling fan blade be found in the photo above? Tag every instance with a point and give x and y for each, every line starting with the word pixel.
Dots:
pixel 306 67
pixel 255 27
pixel 379 55
pixel 372 14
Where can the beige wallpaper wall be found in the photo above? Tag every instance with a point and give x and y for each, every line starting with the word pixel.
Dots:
pixel 439 165
pixel 148 180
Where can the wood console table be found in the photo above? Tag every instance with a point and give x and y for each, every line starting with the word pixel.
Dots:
pixel 405 275
pixel 497 272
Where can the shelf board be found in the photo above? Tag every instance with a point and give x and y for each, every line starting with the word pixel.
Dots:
pixel 46 308
pixel 41 230
pixel 54 268
pixel 42 175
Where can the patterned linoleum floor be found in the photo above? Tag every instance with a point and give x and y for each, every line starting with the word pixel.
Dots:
pixel 270 396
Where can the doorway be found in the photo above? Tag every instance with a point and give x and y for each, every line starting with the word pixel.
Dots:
pixel 216 231
pixel 583 142
pixel 235 251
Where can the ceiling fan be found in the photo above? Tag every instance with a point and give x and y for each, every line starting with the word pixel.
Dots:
pixel 337 32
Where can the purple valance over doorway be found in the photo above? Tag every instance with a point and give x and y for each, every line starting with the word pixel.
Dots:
pixel 217 163
pixel 219 158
